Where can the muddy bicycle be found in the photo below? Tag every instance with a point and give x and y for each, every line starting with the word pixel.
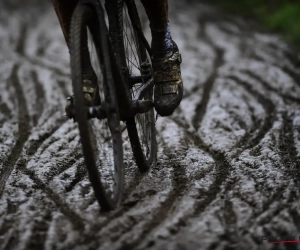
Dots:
pixel 121 57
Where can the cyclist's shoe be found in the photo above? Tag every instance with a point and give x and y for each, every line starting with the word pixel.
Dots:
pixel 91 95
pixel 168 89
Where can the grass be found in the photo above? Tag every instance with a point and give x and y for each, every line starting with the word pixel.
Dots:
pixel 281 16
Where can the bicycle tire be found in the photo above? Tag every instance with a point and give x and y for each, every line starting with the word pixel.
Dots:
pixel 144 152
pixel 86 18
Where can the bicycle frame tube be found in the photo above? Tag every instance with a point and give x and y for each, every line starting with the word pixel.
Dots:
pixel 127 107
pixel 122 91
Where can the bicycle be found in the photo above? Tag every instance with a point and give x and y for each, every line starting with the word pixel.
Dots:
pixel 120 56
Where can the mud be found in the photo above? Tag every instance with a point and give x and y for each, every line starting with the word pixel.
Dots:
pixel 227 173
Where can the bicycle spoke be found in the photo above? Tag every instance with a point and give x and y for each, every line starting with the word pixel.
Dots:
pixel 133 55
pixel 133 63
pixel 134 58
pixel 131 31
pixel 127 38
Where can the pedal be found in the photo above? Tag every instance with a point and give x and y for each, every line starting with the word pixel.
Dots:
pixel 143 90
pixel 140 107
pixel 99 112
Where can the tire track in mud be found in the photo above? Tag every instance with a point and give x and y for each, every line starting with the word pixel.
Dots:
pixel 20 48
pixel 222 166
pixel 290 72
pixel 294 75
pixel 39 232
pixel 270 88
pixel 35 144
pixel 294 59
pixel 38 237
pixel 6 114
pixel 134 183
pixel 23 127
pixel 201 107
pixel 63 164
pixel 129 202
pixel 76 220
pixel 220 159
pixel 261 218
pixel 294 212
pixel 52 140
pixel 181 222
pixel 4 109
pixel 43 64
pixel 66 162
pixel 179 185
pixel 269 107
pixel 208 86
pixel 9 242
pixel 230 225
pixel 266 103
pixel 266 126
pixel 70 214
pixel 12 242
pixel 80 174
pixel 63 86
pixel 287 150
pixel 40 97
pixel 276 197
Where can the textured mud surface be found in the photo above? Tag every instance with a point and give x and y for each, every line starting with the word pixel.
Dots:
pixel 228 165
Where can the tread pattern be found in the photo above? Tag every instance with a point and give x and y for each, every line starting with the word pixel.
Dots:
pixel 228 159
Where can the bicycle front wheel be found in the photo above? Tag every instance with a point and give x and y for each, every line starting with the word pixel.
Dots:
pixel 101 139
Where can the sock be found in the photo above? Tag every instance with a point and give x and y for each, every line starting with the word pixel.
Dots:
pixel 162 44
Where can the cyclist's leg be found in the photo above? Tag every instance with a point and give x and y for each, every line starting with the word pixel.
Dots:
pixel 157 11
pixel 64 10
pixel 166 59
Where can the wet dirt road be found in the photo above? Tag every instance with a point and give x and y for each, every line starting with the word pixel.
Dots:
pixel 228 167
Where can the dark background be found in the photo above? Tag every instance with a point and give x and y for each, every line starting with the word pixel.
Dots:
pixel 281 16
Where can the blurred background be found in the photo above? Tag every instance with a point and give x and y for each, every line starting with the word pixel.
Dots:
pixel 281 16
pixel 228 171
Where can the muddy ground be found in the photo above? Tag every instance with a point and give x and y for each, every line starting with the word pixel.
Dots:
pixel 228 167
